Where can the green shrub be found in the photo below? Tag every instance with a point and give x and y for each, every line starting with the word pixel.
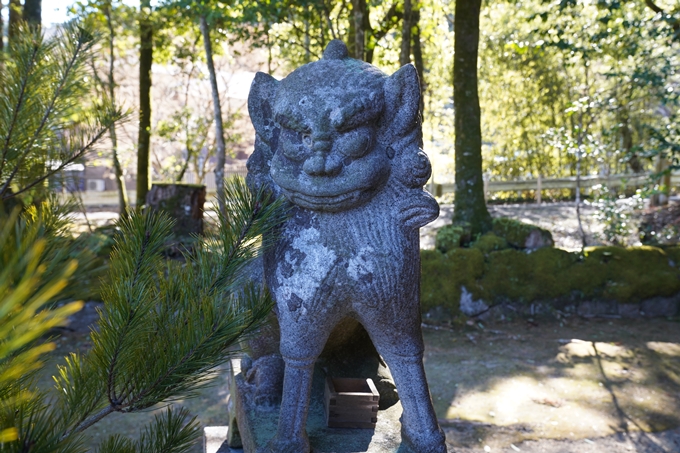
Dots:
pixel 636 273
pixel 453 236
pixel 443 275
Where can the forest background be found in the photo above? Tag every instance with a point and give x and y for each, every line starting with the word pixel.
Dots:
pixel 562 84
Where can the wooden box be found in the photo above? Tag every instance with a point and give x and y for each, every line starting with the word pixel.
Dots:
pixel 351 403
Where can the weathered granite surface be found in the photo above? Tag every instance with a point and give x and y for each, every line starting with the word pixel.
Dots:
pixel 342 142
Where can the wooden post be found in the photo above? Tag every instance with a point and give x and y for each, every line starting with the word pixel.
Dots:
pixel 539 187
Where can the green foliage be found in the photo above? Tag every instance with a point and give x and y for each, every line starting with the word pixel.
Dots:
pixel 190 314
pixel 452 236
pixel 574 78
pixel 27 286
pixel 617 214
pixel 44 123
pixel 169 433
pixel 489 242
pixel 519 234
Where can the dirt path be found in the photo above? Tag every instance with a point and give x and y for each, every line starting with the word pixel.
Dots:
pixel 540 385
pixel 557 386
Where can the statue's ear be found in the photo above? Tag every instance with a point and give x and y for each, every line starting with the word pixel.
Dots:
pixel 402 100
pixel 260 102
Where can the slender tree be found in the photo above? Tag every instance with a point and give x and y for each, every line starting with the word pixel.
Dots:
pixel 2 30
pixel 417 50
pixel 217 108
pixel 144 137
pixel 358 28
pixel 33 12
pixel 470 205
pixel 405 53
pixel 14 18
pixel 117 167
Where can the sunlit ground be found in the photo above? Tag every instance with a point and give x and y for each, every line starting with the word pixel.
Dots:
pixel 586 379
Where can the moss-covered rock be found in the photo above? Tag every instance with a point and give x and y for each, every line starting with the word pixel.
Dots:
pixel 443 275
pixel 522 235
pixel 490 242
pixel 550 276
pixel 634 274
pixel 453 236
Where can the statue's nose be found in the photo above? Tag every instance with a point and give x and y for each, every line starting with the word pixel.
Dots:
pixel 322 164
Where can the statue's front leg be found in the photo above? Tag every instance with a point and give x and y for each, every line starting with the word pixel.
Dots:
pixel 419 428
pixel 291 436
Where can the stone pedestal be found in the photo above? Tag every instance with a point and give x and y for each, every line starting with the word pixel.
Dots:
pixel 256 426
pixel 214 439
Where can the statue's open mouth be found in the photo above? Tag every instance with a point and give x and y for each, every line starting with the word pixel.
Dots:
pixel 327 202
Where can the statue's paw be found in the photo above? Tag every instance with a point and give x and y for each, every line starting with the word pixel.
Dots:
pixel 420 211
pixel 295 445
pixel 423 441
pixel 265 376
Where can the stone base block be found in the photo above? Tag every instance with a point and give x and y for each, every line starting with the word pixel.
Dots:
pixel 214 439
pixel 258 425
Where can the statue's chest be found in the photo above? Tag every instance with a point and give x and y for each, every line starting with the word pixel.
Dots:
pixel 336 255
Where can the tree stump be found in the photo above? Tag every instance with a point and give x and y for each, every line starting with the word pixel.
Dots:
pixel 182 202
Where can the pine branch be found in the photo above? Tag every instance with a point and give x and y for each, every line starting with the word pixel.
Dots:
pixel 63 165
pixel 113 399
pixel 13 122
pixel 89 422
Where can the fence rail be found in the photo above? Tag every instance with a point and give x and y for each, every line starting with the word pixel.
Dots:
pixel 110 198
pixel 93 198
pixel 587 182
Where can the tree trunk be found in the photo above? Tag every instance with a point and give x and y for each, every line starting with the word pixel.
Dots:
pixel 217 107
pixel 14 18
pixel 144 137
pixel 182 202
pixel 117 168
pixel 2 31
pixel 33 12
pixel 405 54
pixel 418 59
pixel 359 14
pixel 469 196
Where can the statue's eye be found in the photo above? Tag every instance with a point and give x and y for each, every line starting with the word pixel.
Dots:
pixel 355 143
pixel 291 143
pixel 307 140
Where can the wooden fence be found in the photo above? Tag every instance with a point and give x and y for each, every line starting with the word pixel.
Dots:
pixel 110 198
pixel 540 184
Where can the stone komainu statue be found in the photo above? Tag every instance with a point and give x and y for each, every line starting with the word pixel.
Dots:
pixel 341 141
